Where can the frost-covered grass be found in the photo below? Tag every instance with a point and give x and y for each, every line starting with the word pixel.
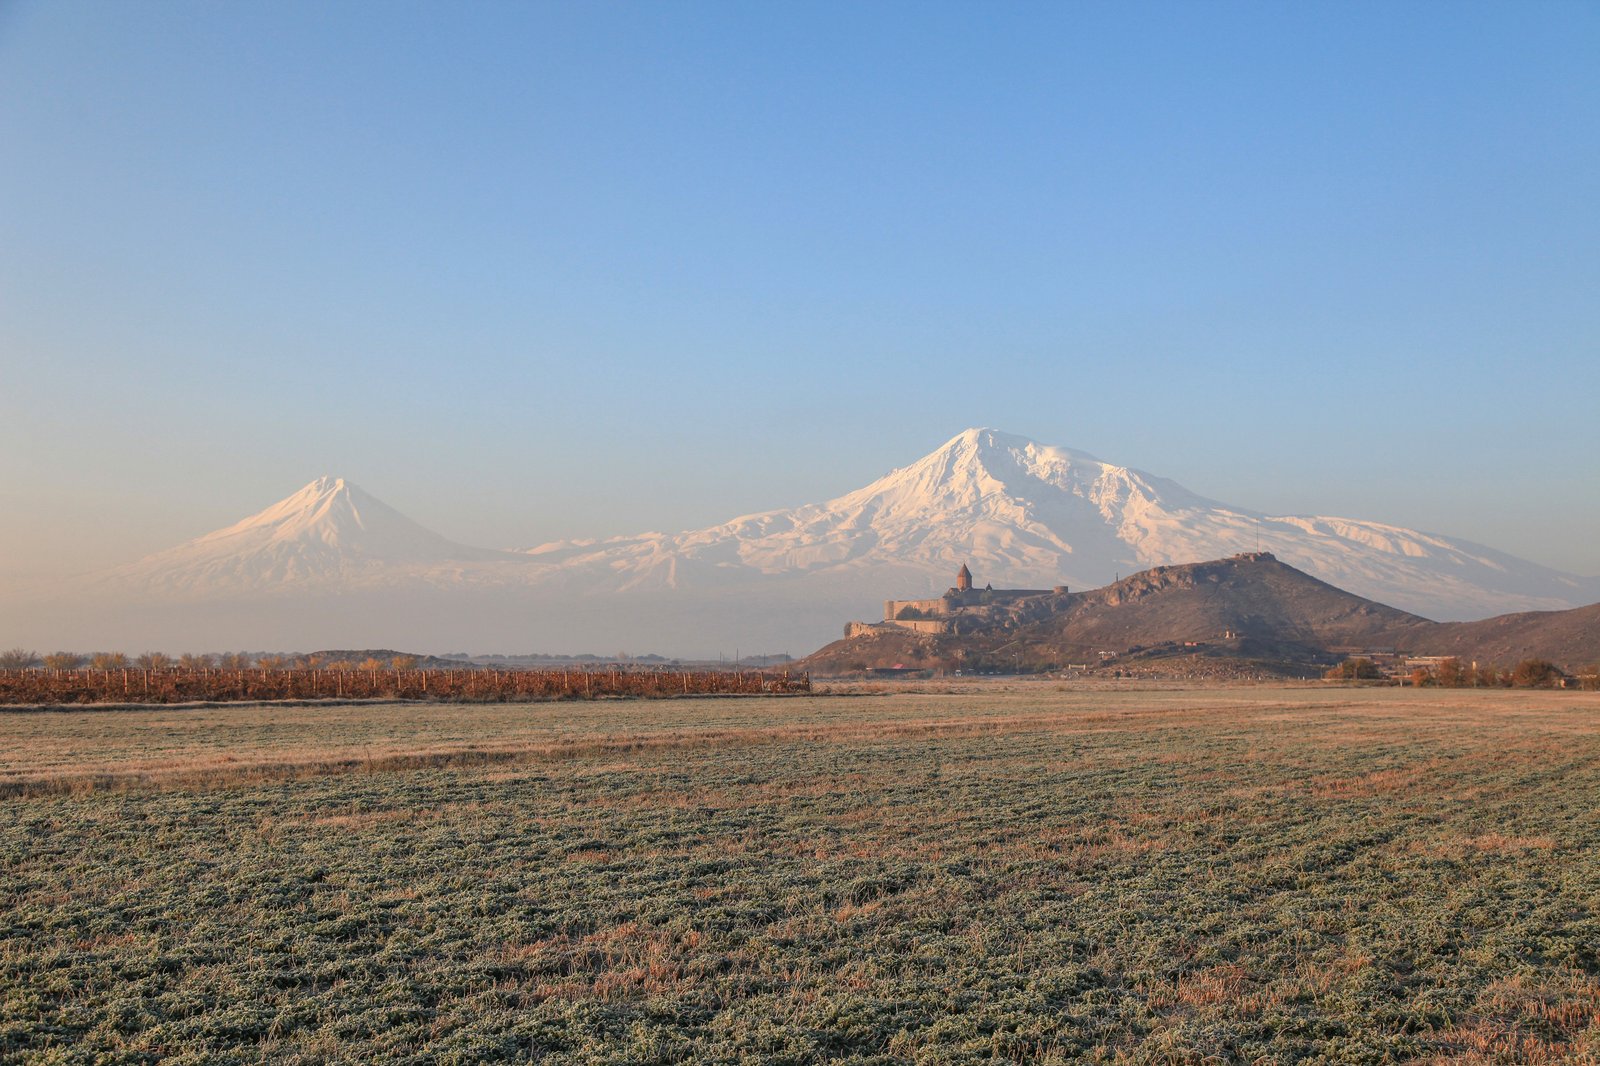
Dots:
pixel 1023 875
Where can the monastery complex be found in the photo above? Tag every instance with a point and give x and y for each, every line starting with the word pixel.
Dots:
pixel 938 615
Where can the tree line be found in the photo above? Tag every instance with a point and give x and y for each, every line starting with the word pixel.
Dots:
pixel 24 659
pixel 1453 673
pixel 46 687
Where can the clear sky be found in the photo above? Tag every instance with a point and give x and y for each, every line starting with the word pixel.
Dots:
pixel 528 271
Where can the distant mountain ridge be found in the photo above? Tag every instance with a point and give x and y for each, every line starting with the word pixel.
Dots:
pixel 1026 514
pixel 337 566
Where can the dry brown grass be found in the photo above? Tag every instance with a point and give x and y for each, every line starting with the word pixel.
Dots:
pixel 217 768
pixel 1022 873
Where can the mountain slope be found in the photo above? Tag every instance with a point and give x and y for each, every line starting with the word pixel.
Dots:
pixel 1252 595
pixel 1023 514
pixel 1570 638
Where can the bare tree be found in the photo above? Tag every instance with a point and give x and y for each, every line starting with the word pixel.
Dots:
pixel 18 659
pixel 1354 670
pixel 1536 673
pixel 196 661
pixel 63 660
pixel 1450 673
pixel 153 660
pixel 108 660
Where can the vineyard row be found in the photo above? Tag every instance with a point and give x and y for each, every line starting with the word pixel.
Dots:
pixel 136 685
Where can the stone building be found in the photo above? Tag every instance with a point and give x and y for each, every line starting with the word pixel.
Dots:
pixel 936 615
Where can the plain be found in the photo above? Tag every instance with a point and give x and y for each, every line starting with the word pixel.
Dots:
pixel 966 873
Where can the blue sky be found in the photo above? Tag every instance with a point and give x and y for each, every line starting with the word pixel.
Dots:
pixel 529 271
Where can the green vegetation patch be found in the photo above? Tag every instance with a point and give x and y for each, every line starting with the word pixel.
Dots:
pixel 997 875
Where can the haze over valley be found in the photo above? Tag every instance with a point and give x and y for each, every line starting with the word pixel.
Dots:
pixel 330 565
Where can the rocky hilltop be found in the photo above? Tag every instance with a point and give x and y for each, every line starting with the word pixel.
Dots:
pixel 1250 613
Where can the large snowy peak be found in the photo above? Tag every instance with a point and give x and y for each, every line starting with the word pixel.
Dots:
pixel 1008 502
pixel 1011 506
pixel 1017 511
pixel 1031 514
pixel 986 471
pixel 328 531
pixel 1025 514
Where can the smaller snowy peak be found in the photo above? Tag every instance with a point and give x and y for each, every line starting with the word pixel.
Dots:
pixel 328 529
pixel 332 511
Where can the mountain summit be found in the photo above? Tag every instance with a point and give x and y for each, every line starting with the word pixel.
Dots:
pixel 1016 507
pixel 1025 514
pixel 327 531
pixel 1021 511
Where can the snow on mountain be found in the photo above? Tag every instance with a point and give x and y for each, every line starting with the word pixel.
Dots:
pixel 1024 514
pixel 331 563
pixel 328 532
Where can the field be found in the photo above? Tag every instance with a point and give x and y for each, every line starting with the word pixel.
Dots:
pixel 988 873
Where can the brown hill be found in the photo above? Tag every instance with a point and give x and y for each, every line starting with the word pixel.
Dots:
pixel 1570 639
pixel 1248 607
pixel 1254 597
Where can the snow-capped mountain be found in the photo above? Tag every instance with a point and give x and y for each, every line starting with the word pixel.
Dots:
pixel 328 532
pixel 331 563
pixel 1027 515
